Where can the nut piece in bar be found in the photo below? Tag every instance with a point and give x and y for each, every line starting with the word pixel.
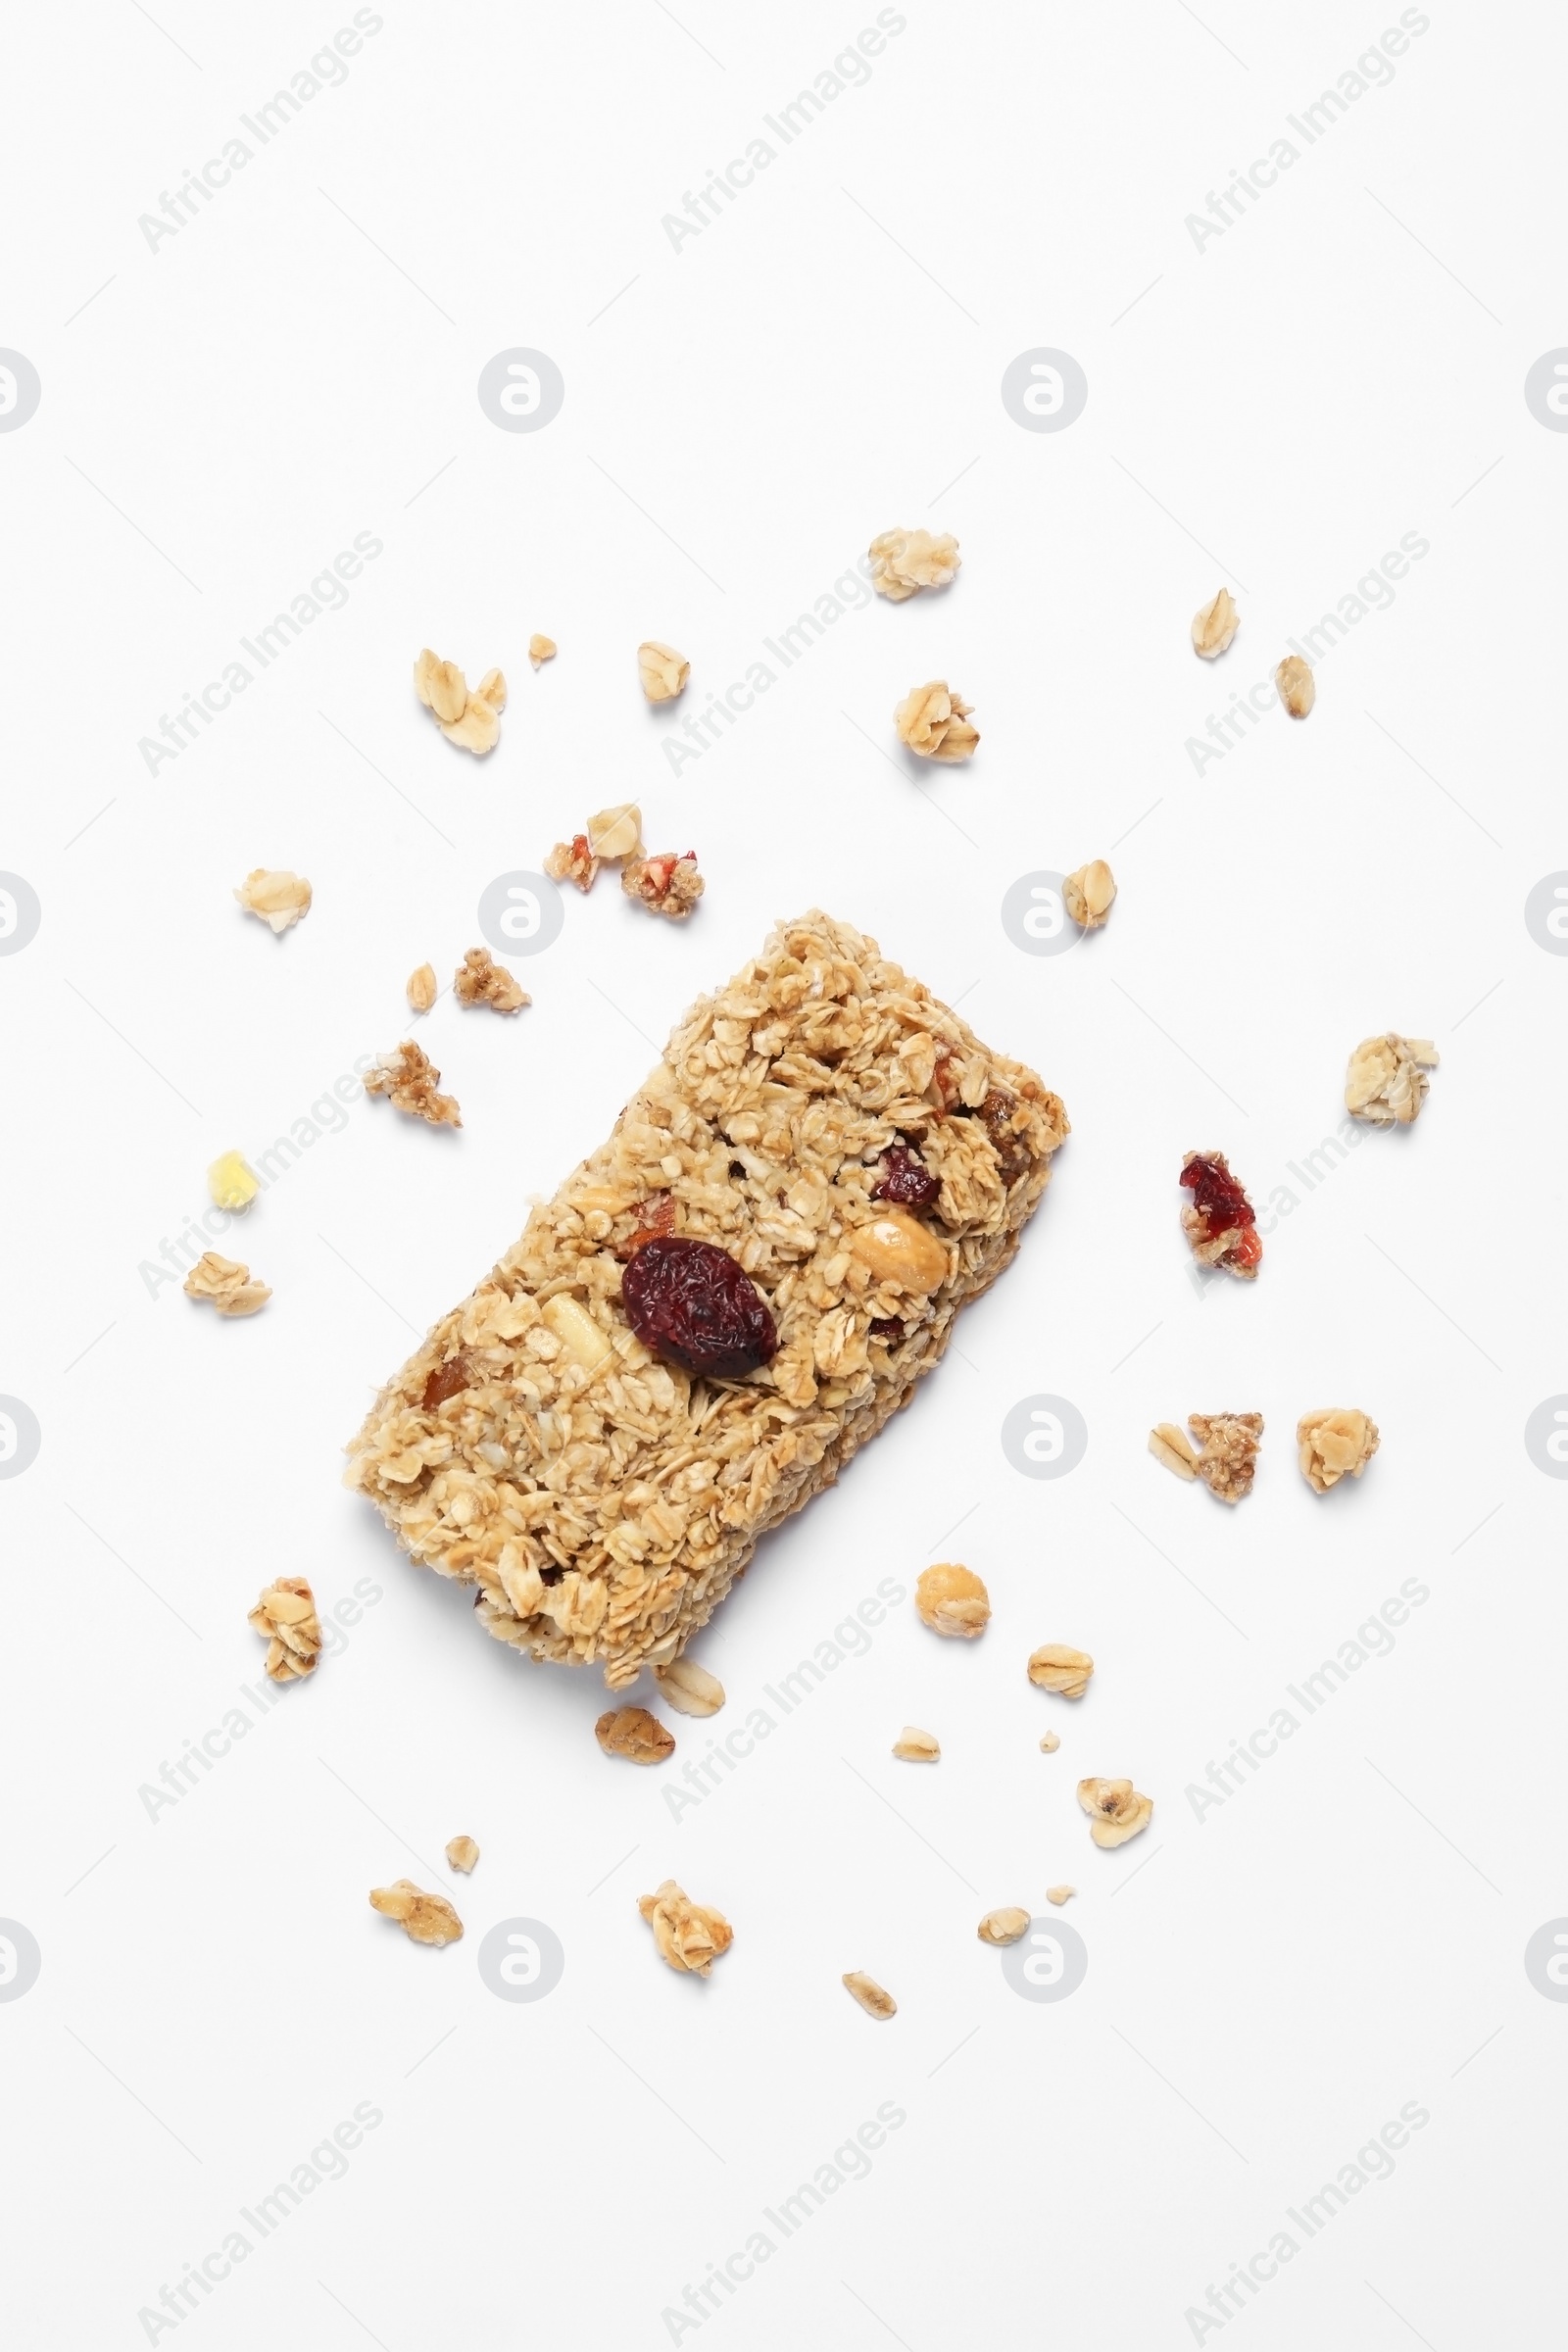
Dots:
pixel 1387 1081
pixel 480 980
pixel 664 672
pixel 869 1993
pixel 1229 1456
pixel 1296 685
pixel 1219 1221
pixel 632 1733
pixel 669 884
pixel 421 989
pixel 687 1935
pixel 1004 1926
pixel 541 650
pixel 1089 894
pixel 279 897
pixel 1336 1442
pixel 688 1688
pixel 233 1182
pixel 951 1600
pixel 915 1746
pixel 934 722
pixel 226 1284
pixel 285 1618
pixel 904 561
pixel 1215 624
pixel 1055 1666
pixel 898 1249
pixel 1171 1446
pixel 409 1079
pixel 462 1854
pixel 1116 1812
pixel 424 1917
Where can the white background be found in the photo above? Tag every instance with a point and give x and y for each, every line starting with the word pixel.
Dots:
pixel 1342 366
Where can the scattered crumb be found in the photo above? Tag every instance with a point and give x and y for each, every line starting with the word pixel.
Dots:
pixel 285 1618
pixel 616 832
pixel 1169 1445
pixel 421 990
pixel 226 1282
pixel 1215 624
pixel 462 1854
pixel 952 1600
pixel 279 897
pixel 1229 1458
pixel 1296 686
pixel 231 1182
pixel 686 1935
pixel 1334 1443
pixel 1387 1081
pixel 541 650
pixel 666 885
pixel 935 723
pixel 409 1079
pixel 1004 1926
pixel 572 861
pixel 904 561
pixel 480 980
pixel 688 1688
pixel 424 1917
pixel 915 1746
pixel 1062 1894
pixel 632 1733
pixel 1049 1742
pixel 1115 1809
pixel 1055 1666
pixel 869 1993
pixel 472 721
pixel 1087 895
pixel 663 671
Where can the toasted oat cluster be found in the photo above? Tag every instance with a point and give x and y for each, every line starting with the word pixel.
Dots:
pixel 952 1600
pixel 1387 1081
pixel 1116 1812
pixel 424 1917
pixel 935 722
pixel 480 980
pixel 1057 1666
pixel 664 672
pixel 409 1079
pixel 1088 894
pixel 904 561
pixel 1336 1442
pixel 603 1507
pixel 472 721
pixel 1219 1221
pixel 226 1284
pixel 687 1935
pixel 462 1854
pixel 666 885
pixel 1004 1926
pixel 1214 625
pixel 279 897
pixel 869 1993
pixel 610 836
pixel 1296 685
pixel 632 1733
pixel 285 1617
pixel 1228 1461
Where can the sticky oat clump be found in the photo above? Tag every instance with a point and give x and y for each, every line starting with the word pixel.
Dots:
pixel 279 897
pixel 409 1079
pixel 934 722
pixel 424 1917
pixel 1336 1442
pixel 225 1283
pixel 666 885
pixel 902 562
pixel 611 835
pixel 1116 1812
pixel 951 1600
pixel 1089 894
pixel 480 980
pixel 472 721
pixel 687 1935
pixel 1230 1445
pixel 1214 625
pixel 285 1617
pixel 1387 1082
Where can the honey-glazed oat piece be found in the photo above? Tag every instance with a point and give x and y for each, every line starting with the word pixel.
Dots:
pixel 915 1746
pixel 1229 1458
pixel 935 722
pixel 279 897
pixel 480 980
pixel 424 1917
pixel 664 672
pixel 421 989
pixel 1057 1666
pixel 409 1079
pixel 225 1283
pixel 952 1600
pixel 632 1733
pixel 687 1935
pixel 462 1854
pixel 285 1617
pixel 1004 1926
pixel 1387 1081
pixel 1336 1442
pixel 869 1993
pixel 904 561
pixel 603 1508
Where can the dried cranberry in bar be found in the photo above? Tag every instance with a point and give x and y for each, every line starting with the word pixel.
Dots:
pixel 1220 1224
pixel 905 1179
pixel 690 1302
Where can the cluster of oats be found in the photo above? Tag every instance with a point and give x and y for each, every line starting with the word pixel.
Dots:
pixel 480 980
pixel 1387 1081
pixel 1228 1459
pixel 472 721
pixel 1088 894
pixel 904 561
pixel 1116 1812
pixel 609 837
pixel 1337 1441
pixel 687 1935
pixel 424 1917
pixel 1296 685
pixel 1214 625
pixel 951 1600
pixel 541 650
pixel 285 1618
pixel 225 1283
pixel 666 884
pixel 277 896
pixel 632 1733
pixel 603 1501
pixel 934 722
pixel 409 1080
pixel 869 1993
pixel 664 672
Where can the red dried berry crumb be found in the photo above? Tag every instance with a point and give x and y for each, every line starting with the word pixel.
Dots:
pixel 1219 1208
pixel 691 1304
pixel 447 1380
pixel 889 1328
pixel 659 1219
pixel 905 1179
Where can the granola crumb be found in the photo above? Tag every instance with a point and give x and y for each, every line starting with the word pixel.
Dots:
pixel 279 897
pixel 1055 1666
pixel 1336 1442
pixel 573 862
pixel 616 832
pixel 541 650
pixel 1387 1083
pixel 952 1599
pixel 472 721
pixel 1219 1221
pixel 632 1733
pixel 663 671
pixel 285 1618
pixel 1004 1926
pixel 1215 624
pixel 232 1183
pixel 424 1917
pixel 421 989
pixel 1049 1742
pixel 666 885
pixel 869 1993
pixel 226 1282
pixel 409 1079
pixel 935 722
pixel 1296 685
pixel 688 1688
pixel 1170 1446
pixel 1064 1894
pixel 440 686
pixel 687 1935
pixel 904 561
pixel 462 1854
pixel 915 1746
pixel 480 980
pixel 1115 1809
pixel 1229 1456
pixel 1089 894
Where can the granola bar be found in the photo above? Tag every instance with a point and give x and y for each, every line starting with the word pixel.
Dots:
pixel 604 1497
